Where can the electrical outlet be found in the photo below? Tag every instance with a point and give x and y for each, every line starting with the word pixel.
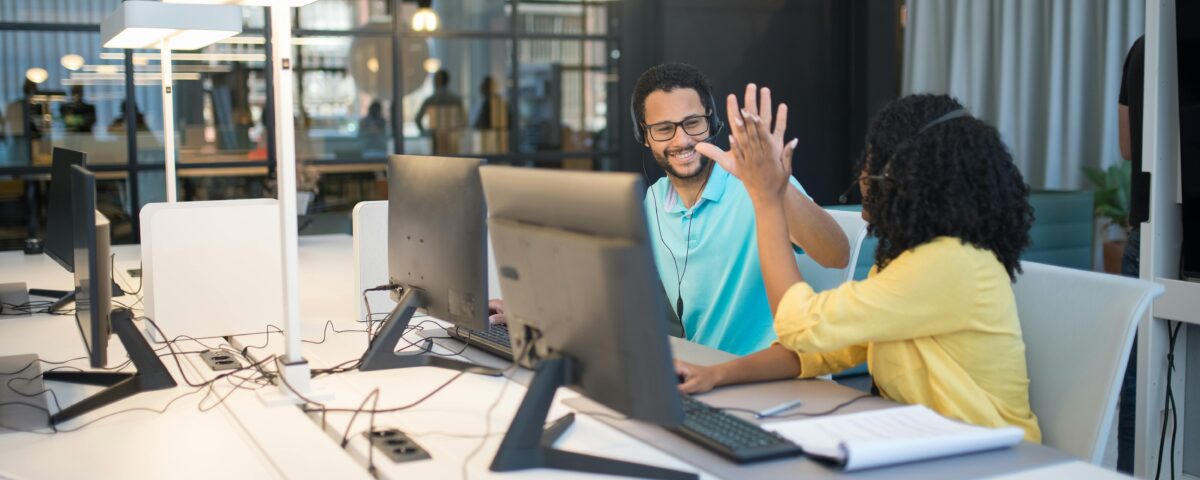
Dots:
pixel 396 445
pixel 220 360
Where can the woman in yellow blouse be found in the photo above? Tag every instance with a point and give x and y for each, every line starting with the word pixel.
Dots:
pixel 935 320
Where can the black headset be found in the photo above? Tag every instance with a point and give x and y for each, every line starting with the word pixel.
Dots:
pixel 948 116
pixel 715 125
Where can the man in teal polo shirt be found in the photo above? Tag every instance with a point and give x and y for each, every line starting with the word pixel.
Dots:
pixel 701 220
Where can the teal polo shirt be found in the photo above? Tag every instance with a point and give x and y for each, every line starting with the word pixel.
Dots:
pixel 724 299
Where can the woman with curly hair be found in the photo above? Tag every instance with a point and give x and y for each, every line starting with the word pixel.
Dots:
pixel 936 320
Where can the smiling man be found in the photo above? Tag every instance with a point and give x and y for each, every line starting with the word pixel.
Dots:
pixel 702 221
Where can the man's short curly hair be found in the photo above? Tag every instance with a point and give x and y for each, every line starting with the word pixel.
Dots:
pixel 954 179
pixel 668 77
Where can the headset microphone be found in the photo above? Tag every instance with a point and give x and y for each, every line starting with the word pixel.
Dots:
pixel 845 196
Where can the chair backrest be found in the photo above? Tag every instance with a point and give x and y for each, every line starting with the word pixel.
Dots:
pixel 370 230
pixel 1078 328
pixel 821 278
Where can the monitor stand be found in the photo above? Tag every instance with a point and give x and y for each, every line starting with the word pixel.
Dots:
pixel 527 445
pixel 151 374
pixel 381 355
pixel 65 297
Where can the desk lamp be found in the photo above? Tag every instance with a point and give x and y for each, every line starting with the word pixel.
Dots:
pixel 142 24
pixel 295 371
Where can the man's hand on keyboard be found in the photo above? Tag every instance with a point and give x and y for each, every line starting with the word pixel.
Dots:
pixel 496 312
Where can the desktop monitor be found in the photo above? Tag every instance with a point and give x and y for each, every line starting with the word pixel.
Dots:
pixel 583 301
pixel 59 243
pixel 93 266
pixel 94 314
pixel 60 240
pixel 437 254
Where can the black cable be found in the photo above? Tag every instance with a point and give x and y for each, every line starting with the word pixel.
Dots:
pixel 826 412
pixel 209 385
pixel 53 395
pixel 178 365
pixel 487 419
pixel 192 339
pixel 221 398
pixel 1169 406
pixel 349 425
pixel 687 241
pixel 27 308
pixel 325 331
pixel 371 448
pixel 379 410
pixel 30 405
pixel 370 316
pixel 339 368
pixel 22 369
pixel 148 409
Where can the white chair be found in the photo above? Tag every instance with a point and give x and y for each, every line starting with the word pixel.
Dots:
pixel 370 230
pixel 1078 328
pixel 821 278
pixel 370 227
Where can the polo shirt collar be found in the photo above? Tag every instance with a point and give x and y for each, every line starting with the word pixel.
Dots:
pixel 713 190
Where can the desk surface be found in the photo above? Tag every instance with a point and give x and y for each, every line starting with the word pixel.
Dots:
pixel 195 436
pixel 264 441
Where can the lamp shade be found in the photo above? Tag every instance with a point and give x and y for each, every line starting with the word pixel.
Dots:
pixel 142 24
pixel 256 3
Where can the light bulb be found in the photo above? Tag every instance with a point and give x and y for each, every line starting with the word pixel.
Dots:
pixel 72 61
pixel 425 20
pixel 37 75
pixel 432 65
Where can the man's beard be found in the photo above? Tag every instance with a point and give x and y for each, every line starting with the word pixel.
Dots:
pixel 663 160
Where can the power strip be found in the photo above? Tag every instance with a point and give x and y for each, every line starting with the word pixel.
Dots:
pixel 396 445
pixel 219 360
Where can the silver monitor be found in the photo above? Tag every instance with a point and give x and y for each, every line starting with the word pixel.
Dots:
pixel 437 254
pixel 584 302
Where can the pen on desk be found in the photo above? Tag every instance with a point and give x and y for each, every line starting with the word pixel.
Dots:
pixel 778 409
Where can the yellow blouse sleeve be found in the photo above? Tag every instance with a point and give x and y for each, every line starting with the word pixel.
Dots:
pixel 815 364
pixel 917 295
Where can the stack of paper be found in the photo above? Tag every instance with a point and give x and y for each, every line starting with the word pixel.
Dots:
pixel 891 436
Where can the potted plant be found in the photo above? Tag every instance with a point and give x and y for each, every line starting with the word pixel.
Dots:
pixel 307 178
pixel 1111 200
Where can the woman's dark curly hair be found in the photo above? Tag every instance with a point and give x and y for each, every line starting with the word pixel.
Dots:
pixel 954 179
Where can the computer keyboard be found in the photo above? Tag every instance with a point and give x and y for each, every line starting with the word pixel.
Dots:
pixel 731 437
pixel 493 340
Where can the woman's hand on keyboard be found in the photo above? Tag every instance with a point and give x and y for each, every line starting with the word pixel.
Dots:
pixel 695 378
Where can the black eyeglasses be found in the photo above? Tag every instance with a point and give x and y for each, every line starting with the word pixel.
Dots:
pixel 694 125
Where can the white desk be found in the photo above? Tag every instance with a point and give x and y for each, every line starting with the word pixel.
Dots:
pixel 284 442
pixel 237 439
pixel 460 409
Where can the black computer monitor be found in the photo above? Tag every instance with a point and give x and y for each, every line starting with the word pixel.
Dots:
pixel 583 301
pixel 94 314
pixel 437 254
pixel 93 266
pixel 59 243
